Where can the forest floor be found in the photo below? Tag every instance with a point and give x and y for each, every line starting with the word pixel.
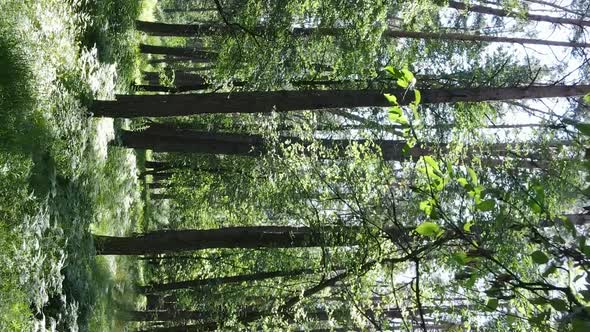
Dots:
pixel 60 178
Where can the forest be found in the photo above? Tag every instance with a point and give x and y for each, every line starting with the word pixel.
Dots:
pixel 294 165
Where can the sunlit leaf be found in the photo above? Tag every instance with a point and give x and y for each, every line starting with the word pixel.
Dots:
pixel 467 226
pixel 428 229
pixel 417 97
pixel 462 181
pixel 472 175
pixel 391 98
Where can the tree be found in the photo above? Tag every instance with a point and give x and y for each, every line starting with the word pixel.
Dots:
pixel 130 106
pixel 233 237
pixel 506 13
pixel 190 30
pixel 161 287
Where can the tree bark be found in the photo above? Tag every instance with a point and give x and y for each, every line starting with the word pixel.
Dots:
pixel 131 106
pixel 185 10
pixel 190 30
pixel 184 52
pixel 191 141
pixel 504 13
pixel 235 237
pixel 222 280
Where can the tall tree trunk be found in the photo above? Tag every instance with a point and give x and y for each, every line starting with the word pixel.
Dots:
pixel 190 141
pixel 184 52
pixel 222 280
pixel 191 30
pixel 168 315
pixel 158 196
pixel 553 5
pixel 186 10
pixel 154 164
pixel 131 106
pixel 180 78
pixel 235 237
pixel 168 89
pixel 504 13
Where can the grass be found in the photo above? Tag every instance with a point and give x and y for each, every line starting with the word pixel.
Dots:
pixel 59 178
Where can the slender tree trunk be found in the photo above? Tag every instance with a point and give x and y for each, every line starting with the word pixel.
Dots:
pixel 161 176
pixel 222 280
pixel 155 196
pixel 172 60
pixel 552 5
pixel 283 101
pixel 158 185
pixel 504 13
pixel 168 89
pixel 186 10
pixel 180 78
pixel 235 237
pixel 185 52
pixel 190 30
pixel 190 141
pixel 168 315
pixel 158 164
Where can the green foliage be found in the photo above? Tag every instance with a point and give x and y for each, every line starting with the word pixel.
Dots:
pixel 428 229
pixel 17 97
pixel 539 257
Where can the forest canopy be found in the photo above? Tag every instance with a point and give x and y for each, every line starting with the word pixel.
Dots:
pixel 339 165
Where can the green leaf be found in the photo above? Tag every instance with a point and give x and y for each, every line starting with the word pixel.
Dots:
pixel 431 162
pixel 408 76
pixel 584 128
pixel 558 304
pixel 396 118
pixel 539 193
pixel 426 206
pixel 396 73
pixel 587 98
pixel 391 98
pixel 403 83
pixel 473 175
pixel 428 228
pixel 539 257
pixel 417 97
pixel 486 205
pixel 461 258
pixel 396 110
pixel 467 226
pixel 535 207
pixel 406 149
pixel 462 181
pixel 492 304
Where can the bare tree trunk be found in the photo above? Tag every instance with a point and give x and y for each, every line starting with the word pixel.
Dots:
pixel 131 106
pixel 222 280
pixel 190 30
pixel 234 237
pixel 504 13
pixel 185 52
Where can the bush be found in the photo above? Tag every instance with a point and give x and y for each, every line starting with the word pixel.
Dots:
pixel 17 102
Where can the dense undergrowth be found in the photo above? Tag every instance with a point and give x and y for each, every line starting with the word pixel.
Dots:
pixel 59 179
